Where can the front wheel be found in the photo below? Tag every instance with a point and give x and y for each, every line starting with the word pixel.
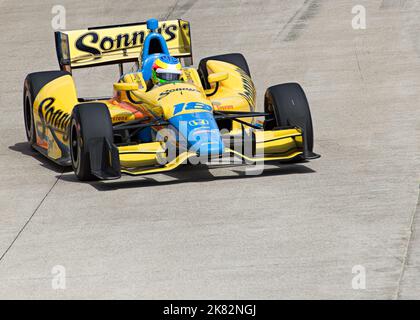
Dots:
pixel 91 139
pixel 289 106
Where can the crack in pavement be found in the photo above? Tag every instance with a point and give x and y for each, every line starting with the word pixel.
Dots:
pixel 358 65
pixel 170 11
pixel 30 218
pixel 180 8
pixel 407 248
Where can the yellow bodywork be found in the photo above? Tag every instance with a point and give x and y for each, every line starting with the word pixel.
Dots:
pixel 133 100
pixel 52 112
pixel 142 155
pixel 175 163
pixel 278 142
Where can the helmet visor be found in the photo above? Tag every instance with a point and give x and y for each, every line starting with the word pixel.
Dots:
pixel 166 75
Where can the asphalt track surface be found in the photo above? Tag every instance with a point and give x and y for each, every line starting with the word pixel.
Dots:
pixel 296 231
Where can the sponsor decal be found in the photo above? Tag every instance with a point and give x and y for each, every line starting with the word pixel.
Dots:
pixel 56 120
pixel 191 106
pixel 225 108
pixel 51 116
pixel 167 92
pixel 218 106
pixel 92 42
pixel 121 117
pixel 199 122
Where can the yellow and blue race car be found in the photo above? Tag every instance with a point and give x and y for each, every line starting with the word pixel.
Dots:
pixel 163 114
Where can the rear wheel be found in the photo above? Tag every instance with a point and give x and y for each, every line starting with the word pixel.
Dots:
pixel 289 106
pixel 34 82
pixel 236 59
pixel 29 117
pixel 90 122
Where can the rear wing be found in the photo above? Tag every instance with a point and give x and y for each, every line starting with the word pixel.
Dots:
pixel 118 44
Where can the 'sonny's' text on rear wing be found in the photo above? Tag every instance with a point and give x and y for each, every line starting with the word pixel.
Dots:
pixel 117 44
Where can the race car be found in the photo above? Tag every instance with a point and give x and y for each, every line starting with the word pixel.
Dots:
pixel 148 126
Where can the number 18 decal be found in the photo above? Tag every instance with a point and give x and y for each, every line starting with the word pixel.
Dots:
pixel 191 106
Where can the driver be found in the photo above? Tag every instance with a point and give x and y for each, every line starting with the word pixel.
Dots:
pixel 166 69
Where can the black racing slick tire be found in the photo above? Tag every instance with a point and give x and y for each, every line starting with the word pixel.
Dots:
pixel 34 82
pixel 28 114
pixel 289 106
pixel 89 122
pixel 236 59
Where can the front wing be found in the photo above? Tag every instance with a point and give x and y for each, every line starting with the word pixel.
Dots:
pixel 273 145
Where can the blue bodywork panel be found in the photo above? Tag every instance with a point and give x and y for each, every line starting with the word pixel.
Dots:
pixel 200 131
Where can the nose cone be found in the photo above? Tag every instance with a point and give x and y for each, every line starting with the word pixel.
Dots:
pixel 200 132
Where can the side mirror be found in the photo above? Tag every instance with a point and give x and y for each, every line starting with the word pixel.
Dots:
pixel 123 86
pixel 217 77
